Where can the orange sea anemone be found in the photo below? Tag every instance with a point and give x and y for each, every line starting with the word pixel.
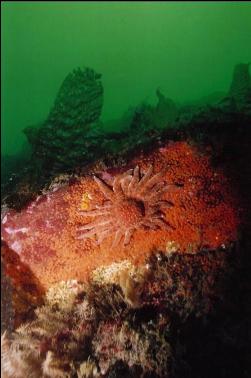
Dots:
pixel 132 203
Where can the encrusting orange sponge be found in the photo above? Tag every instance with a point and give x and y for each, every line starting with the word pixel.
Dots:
pixel 169 196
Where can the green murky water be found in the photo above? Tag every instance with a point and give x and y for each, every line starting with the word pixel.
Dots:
pixel 186 49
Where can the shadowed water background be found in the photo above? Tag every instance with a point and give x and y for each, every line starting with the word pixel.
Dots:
pixel 186 49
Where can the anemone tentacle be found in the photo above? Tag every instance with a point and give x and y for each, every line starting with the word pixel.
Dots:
pixel 132 202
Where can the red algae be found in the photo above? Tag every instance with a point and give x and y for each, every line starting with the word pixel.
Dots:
pixel 204 214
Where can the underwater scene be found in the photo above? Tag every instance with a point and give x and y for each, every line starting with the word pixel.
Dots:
pixel 126 189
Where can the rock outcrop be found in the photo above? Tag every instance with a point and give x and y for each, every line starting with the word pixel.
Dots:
pixel 204 215
pixel 240 89
pixel 63 139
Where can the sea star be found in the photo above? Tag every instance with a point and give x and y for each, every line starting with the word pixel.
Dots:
pixel 133 202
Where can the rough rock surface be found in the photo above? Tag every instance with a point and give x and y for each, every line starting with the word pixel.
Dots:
pixel 63 138
pixel 205 214
pixel 240 89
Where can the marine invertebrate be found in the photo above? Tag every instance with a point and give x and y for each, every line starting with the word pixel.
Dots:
pixel 62 295
pixel 189 283
pixel 131 288
pixel 85 331
pixel 147 347
pixel 129 278
pixel 88 369
pixel 133 202
pixel 16 361
pixel 43 235
pixel 49 344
